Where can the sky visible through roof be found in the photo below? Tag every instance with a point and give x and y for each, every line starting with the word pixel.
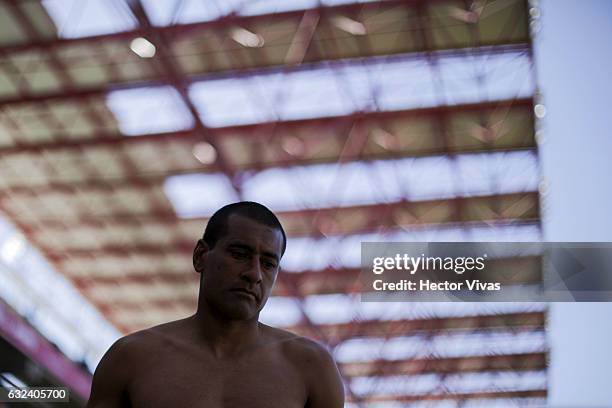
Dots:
pixel 573 61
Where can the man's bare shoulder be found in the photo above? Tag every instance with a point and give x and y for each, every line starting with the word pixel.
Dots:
pixel 129 350
pixel 316 365
pixel 310 355
pixel 125 347
pixel 125 360
pixel 140 342
pixel 291 342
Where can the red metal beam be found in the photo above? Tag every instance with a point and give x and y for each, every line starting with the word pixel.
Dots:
pixel 392 328
pixel 448 365
pixel 336 333
pixel 109 309
pixel 328 281
pixel 262 130
pixel 512 396
pixel 307 223
pixel 310 221
pixel 254 134
pixel 101 90
pixel 185 29
pixel 328 334
pixel 176 31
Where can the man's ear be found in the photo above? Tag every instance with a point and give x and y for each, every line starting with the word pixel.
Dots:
pixel 199 254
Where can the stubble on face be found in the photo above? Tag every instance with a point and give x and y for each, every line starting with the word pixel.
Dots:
pixel 240 270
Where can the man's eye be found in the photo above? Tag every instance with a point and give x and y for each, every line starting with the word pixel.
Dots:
pixel 269 265
pixel 239 255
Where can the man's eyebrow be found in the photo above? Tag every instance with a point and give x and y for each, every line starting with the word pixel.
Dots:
pixel 270 255
pixel 247 247
pixel 241 245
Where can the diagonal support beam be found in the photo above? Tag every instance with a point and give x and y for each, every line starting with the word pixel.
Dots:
pixel 173 76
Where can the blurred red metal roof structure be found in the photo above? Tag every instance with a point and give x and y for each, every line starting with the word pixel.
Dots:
pixel 92 198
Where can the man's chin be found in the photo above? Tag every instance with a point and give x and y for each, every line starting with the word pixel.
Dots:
pixel 239 312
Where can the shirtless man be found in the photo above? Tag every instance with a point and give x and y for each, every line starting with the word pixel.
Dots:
pixel 223 357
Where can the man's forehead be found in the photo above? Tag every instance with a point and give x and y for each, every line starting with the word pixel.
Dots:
pixel 246 229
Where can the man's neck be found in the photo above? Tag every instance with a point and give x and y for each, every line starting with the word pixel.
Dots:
pixel 224 337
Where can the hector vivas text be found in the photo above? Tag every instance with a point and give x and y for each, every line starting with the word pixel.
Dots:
pixel 412 264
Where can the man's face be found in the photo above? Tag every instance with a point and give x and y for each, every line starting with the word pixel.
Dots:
pixel 239 272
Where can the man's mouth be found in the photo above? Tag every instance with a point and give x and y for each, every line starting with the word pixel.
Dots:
pixel 245 292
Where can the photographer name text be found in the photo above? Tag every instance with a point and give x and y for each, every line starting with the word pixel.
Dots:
pixel 412 264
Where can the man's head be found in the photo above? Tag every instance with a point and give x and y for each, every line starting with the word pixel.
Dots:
pixel 217 224
pixel 238 258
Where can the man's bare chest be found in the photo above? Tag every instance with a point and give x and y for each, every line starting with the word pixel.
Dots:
pixel 257 381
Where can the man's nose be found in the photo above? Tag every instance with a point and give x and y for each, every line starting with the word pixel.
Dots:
pixel 253 274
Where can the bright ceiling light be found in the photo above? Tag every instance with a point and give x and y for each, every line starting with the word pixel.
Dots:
pixel 142 47
pixel 470 16
pixel 349 25
pixel 385 139
pixel 294 146
pixel 12 248
pixel 204 152
pixel 247 38
pixel 540 110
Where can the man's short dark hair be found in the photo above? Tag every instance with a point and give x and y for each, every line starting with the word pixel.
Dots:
pixel 217 224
